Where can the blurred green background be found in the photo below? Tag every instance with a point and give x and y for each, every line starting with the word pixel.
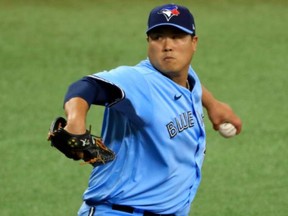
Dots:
pixel 241 57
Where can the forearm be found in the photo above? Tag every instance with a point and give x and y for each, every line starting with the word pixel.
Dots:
pixel 76 110
pixel 219 112
pixel 79 97
pixel 207 98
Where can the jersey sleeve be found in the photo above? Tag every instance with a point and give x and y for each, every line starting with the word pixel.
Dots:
pixel 136 94
pixel 94 91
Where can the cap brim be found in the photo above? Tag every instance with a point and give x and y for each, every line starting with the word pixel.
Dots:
pixel 170 24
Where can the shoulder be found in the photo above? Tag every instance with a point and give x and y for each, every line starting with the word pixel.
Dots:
pixel 141 69
pixel 129 74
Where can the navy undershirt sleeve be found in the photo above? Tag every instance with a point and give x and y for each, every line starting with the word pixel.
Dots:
pixel 93 91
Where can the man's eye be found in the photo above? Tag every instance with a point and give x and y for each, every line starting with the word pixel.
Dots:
pixel 177 36
pixel 155 36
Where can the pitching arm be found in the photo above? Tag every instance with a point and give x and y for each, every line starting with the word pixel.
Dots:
pixel 219 112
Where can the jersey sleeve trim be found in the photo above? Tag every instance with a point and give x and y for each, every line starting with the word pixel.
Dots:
pixel 110 86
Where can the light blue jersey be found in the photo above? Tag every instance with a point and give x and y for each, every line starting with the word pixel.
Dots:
pixel 157 133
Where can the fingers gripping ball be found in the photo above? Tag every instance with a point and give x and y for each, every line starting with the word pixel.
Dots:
pixel 227 130
pixel 86 146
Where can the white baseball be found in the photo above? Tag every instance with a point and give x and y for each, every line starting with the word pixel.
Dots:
pixel 227 130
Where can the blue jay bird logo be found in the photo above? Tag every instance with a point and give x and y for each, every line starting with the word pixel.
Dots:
pixel 169 12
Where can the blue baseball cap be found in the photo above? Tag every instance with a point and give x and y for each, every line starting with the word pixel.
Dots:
pixel 172 15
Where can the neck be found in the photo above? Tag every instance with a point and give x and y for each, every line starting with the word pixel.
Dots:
pixel 188 85
pixel 182 82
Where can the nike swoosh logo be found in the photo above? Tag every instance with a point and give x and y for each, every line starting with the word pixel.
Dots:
pixel 177 97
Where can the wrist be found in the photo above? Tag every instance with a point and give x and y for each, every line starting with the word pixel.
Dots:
pixel 75 126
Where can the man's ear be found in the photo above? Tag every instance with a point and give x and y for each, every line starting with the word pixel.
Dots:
pixel 194 41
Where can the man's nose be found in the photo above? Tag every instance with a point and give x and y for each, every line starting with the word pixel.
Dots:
pixel 167 44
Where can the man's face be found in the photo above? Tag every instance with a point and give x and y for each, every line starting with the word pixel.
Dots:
pixel 170 50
